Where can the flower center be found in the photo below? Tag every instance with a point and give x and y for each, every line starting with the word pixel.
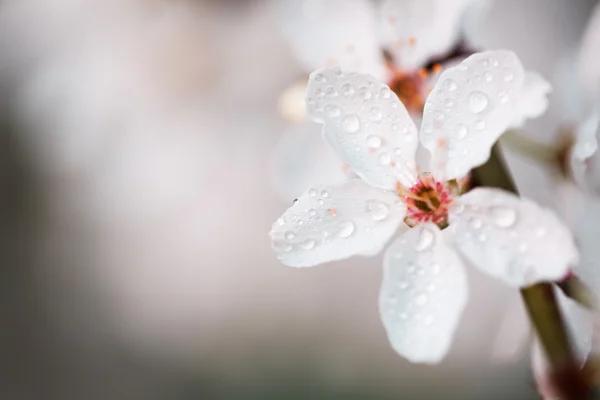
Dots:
pixel 409 89
pixel 427 201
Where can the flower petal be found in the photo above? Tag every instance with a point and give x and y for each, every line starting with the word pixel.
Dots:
pixel 333 223
pixel 584 160
pixel 469 108
pixel 511 238
pixel 423 294
pixel 303 159
pixel 589 58
pixel 417 30
pixel 333 33
pixel 366 124
pixel 533 98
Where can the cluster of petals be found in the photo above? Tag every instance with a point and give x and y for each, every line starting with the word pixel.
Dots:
pixel 408 172
pixel 392 40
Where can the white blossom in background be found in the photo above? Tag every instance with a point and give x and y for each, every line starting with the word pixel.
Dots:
pixel 408 184
pixel 583 85
pixel 353 35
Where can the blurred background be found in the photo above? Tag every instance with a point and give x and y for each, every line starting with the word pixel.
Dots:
pixel 137 139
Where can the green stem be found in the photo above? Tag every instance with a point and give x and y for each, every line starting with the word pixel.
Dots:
pixel 575 289
pixel 529 148
pixel 540 302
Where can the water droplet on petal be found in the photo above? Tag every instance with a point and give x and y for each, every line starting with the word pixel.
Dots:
pixel 402 285
pixel 488 76
pixel 280 222
pixel 478 102
pixel 504 217
pixel 373 141
pixel 462 131
pixel 351 123
pixel 480 125
pixel 425 240
pixel 289 235
pixel 450 85
pixel 347 89
pixel 319 78
pixel 312 192
pixel 308 244
pixel 377 209
pixel 384 159
pixel 332 110
pixel 346 229
pixel 324 193
pixel 503 97
pixel 376 113
pixel 385 92
pixel 509 77
pixel 475 223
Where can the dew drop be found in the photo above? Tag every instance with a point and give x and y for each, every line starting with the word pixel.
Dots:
pixel 475 223
pixel 319 78
pixel 385 92
pixel 480 125
pixel 488 76
pixel 351 123
pixel 312 192
pixel 377 209
pixel 403 285
pixel 347 89
pixel 425 240
pixel 462 131
pixel 346 229
pixel 450 85
pixel 376 113
pixel 332 110
pixel 439 116
pixel 289 235
pixel 504 217
pixel 308 244
pixel 280 222
pixel 478 102
pixel 503 97
pixel 373 141
pixel 312 212
pixel 384 159
pixel 365 92
pixel 324 194
pixel 509 77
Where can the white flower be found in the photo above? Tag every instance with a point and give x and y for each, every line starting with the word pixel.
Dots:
pixel 584 91
pixel 354 35
pixel 409 176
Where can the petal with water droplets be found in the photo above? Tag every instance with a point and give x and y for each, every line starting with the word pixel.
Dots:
pixel 302 159
pixel 333 33
pixel 366 124
pixel 423 294
pixel 469 108
pixel 511 238
pixel 333 223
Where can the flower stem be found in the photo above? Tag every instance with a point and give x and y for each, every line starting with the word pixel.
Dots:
pixel 540 302
pixel 529 148
pixel 574 288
